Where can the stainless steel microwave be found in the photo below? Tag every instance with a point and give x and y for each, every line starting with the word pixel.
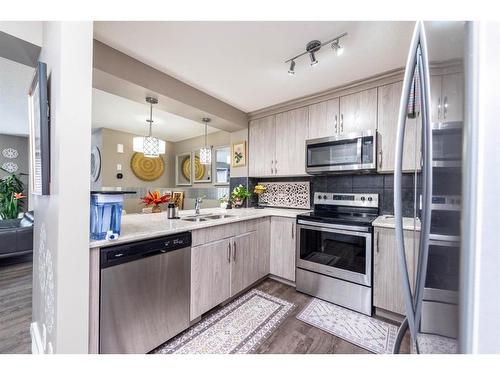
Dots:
pixel 351 152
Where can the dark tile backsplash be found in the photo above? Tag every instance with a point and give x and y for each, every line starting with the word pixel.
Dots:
pixel 373 183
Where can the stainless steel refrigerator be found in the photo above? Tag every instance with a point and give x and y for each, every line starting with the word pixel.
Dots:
pixel 434 92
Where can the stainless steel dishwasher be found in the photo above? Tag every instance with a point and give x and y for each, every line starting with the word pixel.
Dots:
pixel 144 293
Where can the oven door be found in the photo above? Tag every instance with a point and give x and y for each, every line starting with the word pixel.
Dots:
pixel 441 282
pixel 340 253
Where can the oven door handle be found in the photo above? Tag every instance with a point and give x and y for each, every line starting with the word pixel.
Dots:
pixel 333 230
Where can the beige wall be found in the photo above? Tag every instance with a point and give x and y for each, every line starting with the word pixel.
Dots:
pixel 110 158
pixel 61 232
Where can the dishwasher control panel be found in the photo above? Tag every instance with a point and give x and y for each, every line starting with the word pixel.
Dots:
pixel 115 255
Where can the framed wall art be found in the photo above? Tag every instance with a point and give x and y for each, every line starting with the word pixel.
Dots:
pixel 39 132
pixel 239 154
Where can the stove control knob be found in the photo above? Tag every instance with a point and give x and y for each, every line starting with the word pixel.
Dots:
pixel 362 199
pixel 325 197
pixel 319 196
pixel 370 199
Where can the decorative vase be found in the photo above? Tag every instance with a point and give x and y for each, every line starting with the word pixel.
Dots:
pixel 156 209
pixel 238 202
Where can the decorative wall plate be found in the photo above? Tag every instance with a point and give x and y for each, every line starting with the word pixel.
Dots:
pixel 95 164
pixel 147 169
pixel 199 169
pixel 10 153
pixel 10 167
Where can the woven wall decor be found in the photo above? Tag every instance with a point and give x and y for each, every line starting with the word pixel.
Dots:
pixel 147 169
pixel 199 169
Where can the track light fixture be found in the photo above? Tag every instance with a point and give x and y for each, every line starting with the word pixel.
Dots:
pixel 313 47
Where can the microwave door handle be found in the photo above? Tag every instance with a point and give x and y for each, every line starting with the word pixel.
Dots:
pixel 359 150
pixel 398 204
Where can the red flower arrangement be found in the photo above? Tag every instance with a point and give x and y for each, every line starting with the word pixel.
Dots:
pixel 155 199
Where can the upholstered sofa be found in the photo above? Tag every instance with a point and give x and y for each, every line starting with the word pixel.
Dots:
pixel 16 236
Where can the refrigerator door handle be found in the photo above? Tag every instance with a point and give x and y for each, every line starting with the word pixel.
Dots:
pixel 411 64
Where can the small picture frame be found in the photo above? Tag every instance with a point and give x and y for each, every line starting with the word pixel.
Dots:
pixel 239 154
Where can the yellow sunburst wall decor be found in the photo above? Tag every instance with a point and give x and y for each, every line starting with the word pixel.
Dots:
pixel 147 169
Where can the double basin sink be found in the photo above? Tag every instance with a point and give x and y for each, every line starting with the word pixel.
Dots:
pixel 205 217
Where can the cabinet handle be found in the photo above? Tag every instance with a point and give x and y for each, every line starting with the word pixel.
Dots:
pixel 293 230
pixel 275 166
pixel 380 158
pixel 341 122
pixel 439 108
pixel 272 161
pixel 445 105
pixel 234 251
pixel 377 244
pixel 336 124
pixel 229 252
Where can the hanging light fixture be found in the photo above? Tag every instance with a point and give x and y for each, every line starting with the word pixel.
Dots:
pixel 150 146
pixel 206 152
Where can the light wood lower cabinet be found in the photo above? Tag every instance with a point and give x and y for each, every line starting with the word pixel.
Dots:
pixel 282 257
pixel 210 276
pixel 244 262
pixel 387 290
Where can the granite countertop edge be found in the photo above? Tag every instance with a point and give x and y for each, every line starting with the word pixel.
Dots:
pixel 159 225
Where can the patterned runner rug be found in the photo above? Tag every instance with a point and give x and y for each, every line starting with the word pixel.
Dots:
pixel 364 331
pixel 237 328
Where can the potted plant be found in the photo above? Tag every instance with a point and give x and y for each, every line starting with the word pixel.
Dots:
pixel 224 200
pixel 11 196
pixel 155 199
pixel 239 194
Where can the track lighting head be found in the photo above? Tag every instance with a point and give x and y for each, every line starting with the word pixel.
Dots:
pixel 291 71
pixel 339 50
pixel 312 47
pixel 314 61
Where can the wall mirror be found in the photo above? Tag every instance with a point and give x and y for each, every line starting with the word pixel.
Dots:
pixel 222 160
pixel 202 172
pixel 183 175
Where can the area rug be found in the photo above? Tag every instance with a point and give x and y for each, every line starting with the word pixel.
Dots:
pixel 237 328
pixel 361 330
pixel 434 344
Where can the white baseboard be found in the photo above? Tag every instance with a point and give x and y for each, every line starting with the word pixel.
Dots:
pixel 36 339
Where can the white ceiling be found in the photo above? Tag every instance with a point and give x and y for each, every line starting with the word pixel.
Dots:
pixel 114 112
pixel 15 80
pixel 241 63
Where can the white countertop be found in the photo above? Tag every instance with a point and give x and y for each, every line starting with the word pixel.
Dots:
pixel 387 221
pixel 136 227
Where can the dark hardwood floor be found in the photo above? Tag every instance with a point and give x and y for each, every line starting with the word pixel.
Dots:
pixel 15 305
pixel 296 337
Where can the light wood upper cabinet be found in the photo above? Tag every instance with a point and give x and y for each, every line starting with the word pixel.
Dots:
pixel 324 119
pixel 291 134
pixel 447 92
pixel 210 276
pixel 387 290
pixel 358 112
pixel 262 147
pixel 282 257
pixel 453 99
pixel 389 97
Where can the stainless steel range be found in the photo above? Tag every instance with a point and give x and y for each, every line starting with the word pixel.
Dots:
pixel 335 249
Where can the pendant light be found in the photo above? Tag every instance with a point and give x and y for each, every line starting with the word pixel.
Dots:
pixel 150 146
pixel 206 152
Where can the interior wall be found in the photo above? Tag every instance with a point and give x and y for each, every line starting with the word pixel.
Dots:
pixel 21 144
pixel 61 231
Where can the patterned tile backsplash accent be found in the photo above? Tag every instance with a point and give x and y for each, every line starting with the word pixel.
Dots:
pixel 286 194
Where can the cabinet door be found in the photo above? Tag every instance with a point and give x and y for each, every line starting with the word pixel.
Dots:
pixel 291 134
pixel 389 97
pixel 324 119
pixel 263 246
pixel 282 257
pixel 358 112
pixel 210 276
pixel 436 100
pixel 387 290
pixel 452 90
pixel 244 262
pixel 261 147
